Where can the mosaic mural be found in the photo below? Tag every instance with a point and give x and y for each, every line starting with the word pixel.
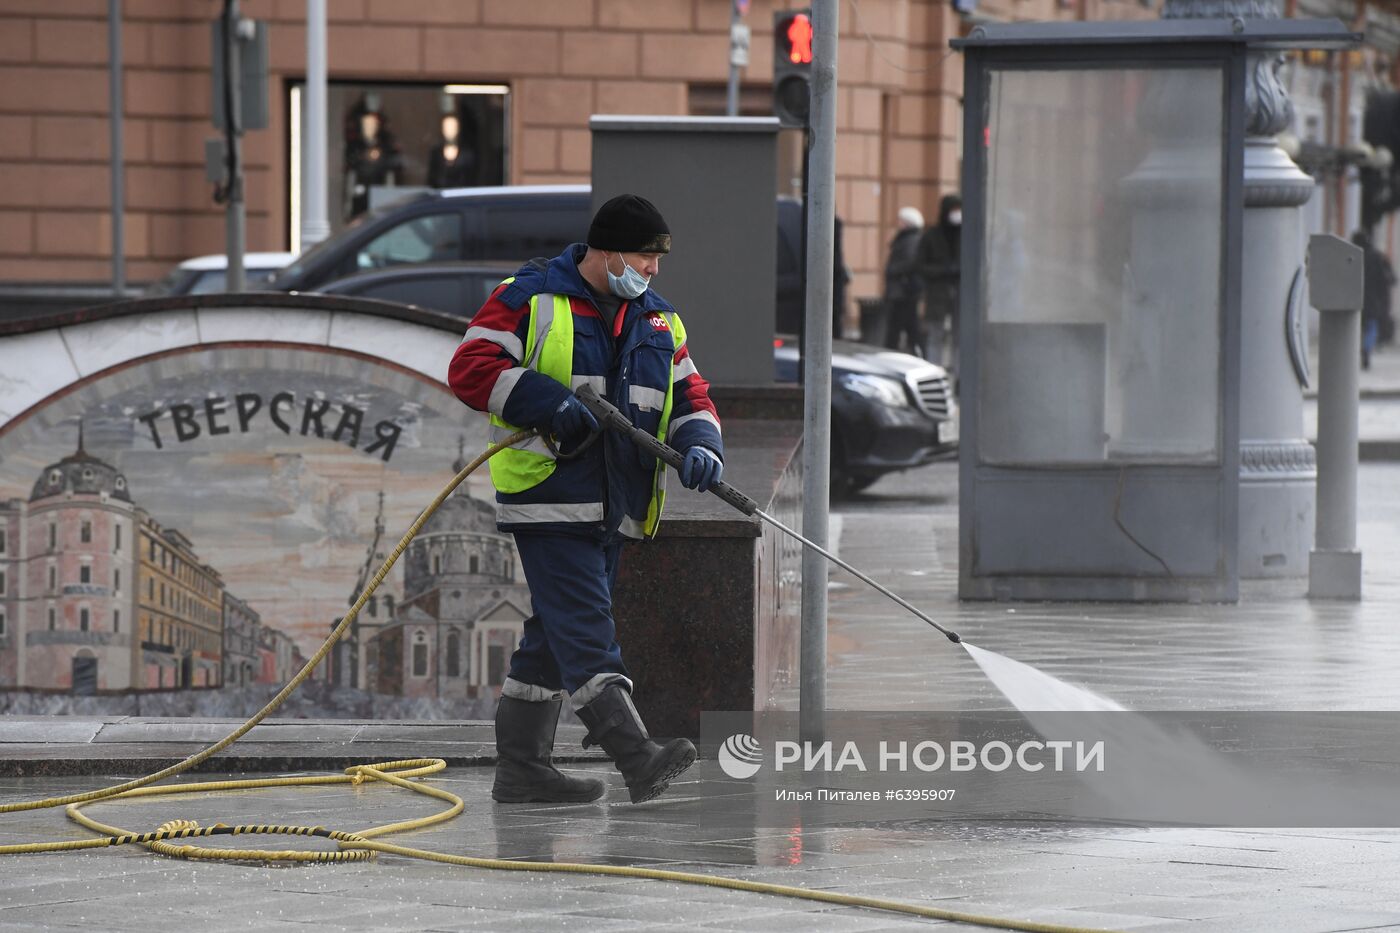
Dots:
pixel 192 525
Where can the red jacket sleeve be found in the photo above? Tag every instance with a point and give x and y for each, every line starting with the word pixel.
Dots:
pixel 486 374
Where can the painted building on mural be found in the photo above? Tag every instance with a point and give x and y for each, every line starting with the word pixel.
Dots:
pixel 463 609
pixel 71 621
pixel 181 606
pixel 10 530
pixel 96 595
pixel 240 642
pixel 278 658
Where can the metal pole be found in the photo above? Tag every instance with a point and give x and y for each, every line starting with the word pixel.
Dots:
pixel 235 221
pixel 732 102
pixel 114 85
pixel 1338 398
pixel 816 447
pixel 802 265
pixel 1336 283
pixel 315 218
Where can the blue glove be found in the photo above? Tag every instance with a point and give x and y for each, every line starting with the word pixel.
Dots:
pixel 701 469
pixel 572 423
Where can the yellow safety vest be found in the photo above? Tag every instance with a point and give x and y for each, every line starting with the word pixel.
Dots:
pixel 549 349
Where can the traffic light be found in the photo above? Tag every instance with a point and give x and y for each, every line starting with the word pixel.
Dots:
pixel 792 66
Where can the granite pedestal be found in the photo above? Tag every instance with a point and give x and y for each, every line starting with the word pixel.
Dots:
pixel 708 612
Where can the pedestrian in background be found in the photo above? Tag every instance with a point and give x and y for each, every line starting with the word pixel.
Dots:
pixel 940 256
pixel 841 277
pixel 903 284
pixel 1378 280
pixel 587 317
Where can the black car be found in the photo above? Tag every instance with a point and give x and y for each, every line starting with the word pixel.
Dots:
pixel 510 224
pixel 453 287
pixel 889 411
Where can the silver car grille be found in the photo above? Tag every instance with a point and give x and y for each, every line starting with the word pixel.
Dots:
pixel 933 393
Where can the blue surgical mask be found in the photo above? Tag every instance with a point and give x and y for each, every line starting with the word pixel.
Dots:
pixel 629 284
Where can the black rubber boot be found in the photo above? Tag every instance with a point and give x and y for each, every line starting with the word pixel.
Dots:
pixel 524 743
pixel 648 768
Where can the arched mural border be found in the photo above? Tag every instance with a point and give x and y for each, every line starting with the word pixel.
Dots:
pixel 426 350
pixel 92 378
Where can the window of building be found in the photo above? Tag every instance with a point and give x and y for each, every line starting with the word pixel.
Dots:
pixel 117 538
pixel 475 563
pixel 454 648
pixel 150 587
pixel 2 583
pixel 437 565
pixel 53 618
pixel 53 536
pixel 85 573
pixel 85 531
pixel 420 655
pixel 421 135
pixel 117 621
pixel 2 621
pixel 53 578
pixel 152 543
pixel 2 541
pixel 83 619
pixel 117 580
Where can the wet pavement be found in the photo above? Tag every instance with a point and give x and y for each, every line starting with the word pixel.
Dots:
pixel 1274 650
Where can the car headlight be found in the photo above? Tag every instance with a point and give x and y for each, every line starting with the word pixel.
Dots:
pixel 885 391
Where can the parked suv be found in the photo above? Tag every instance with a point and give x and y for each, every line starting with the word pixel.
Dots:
pixel 514 224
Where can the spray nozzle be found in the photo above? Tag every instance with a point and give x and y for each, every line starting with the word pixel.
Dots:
pixel 954 637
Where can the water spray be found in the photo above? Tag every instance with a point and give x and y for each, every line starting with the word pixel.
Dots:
pixel 609 418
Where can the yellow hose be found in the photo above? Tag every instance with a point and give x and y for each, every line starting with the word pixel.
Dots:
pixel 170 838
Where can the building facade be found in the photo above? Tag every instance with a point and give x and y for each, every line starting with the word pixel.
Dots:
pixel 519 80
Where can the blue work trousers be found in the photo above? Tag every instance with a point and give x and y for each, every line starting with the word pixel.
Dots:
pixel 571 637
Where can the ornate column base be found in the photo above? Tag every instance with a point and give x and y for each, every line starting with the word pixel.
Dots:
pixel 1278 484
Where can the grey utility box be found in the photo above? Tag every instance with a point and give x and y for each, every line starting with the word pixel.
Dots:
pixel 1101 306
pixel 1335 275
pixel 714 179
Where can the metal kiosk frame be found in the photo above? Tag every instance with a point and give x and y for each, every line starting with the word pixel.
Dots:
pixel 1108 525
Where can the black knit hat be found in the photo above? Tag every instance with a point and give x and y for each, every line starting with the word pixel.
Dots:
pixel 629 223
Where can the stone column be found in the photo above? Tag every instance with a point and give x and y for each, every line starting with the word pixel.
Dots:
pixel 1278 467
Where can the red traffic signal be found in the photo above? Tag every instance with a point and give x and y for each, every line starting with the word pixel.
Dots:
pixel 792 66
pixel 796 39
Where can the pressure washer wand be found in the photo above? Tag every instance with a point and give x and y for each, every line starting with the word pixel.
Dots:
pixel 613 420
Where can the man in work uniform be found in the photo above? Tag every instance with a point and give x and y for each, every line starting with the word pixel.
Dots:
pixel 588 316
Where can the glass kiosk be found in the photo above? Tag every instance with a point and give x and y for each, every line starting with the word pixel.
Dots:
pixel 1101 273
